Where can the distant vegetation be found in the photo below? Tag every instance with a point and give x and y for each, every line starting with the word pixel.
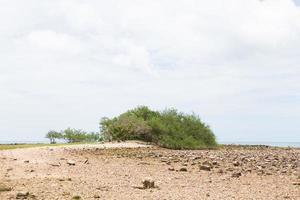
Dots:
pixel 72 136
pixel 168 128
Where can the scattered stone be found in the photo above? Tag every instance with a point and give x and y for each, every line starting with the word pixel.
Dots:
pixel 205 167
pixel 214 162
pixel 22 195
pixel 102 188
pixel 236 174
pixel 55 164
pixel 207 163
pixel 66 193
pixel 296 183
pixel 171 169
pixel 183 169
pixel 71 162
pixel 230 169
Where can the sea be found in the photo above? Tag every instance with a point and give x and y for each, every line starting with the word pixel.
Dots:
pixel 275 144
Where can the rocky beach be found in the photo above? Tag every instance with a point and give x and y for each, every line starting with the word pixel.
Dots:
pixel 133 170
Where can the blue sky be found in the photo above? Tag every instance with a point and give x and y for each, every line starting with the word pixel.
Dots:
pixel 67 63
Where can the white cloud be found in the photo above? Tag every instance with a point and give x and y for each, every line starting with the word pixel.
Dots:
pixel 222 59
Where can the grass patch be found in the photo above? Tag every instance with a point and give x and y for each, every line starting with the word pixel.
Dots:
pixel 19 146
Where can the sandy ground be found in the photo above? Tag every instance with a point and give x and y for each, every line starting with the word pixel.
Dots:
pixel 116 171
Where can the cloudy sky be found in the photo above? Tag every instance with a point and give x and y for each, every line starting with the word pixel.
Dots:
pixel 67 63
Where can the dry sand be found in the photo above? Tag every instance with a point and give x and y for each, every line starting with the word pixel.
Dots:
pixel 116 171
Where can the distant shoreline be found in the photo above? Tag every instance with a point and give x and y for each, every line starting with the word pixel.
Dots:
pixel 273 144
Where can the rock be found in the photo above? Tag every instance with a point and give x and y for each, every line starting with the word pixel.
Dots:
pixel 205 167
pixel 144 163
pixel 183 169
pixel 4 188
pixel 71 162
pixel 236 174
pixel 26 161
pixel 9 169
pixel 55 164
pixel 214 162
pixel 76 197
pixel 269 173
pixel 296 183
pixel 236 163
pixel 148 183
pixel 171 169
pixel 22 195
pixel 207 163
pixel 96 196
pixel 229 169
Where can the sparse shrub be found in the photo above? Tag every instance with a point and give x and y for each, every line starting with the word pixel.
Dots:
pixel 73 135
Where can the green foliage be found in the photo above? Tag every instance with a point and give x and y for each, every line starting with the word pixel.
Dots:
pixel 169 128
pixel 53 135
pixel 124 127
pixel 73 135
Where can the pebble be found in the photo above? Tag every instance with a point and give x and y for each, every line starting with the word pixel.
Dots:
pixel 205 167
pixel 71 162
pixel 236 174
pixel 183 169
pixel 22 195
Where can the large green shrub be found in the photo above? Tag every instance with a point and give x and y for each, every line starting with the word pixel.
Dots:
pixel 181 131
pixel 169 128
pixel 125 127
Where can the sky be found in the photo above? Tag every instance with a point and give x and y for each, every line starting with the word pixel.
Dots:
pixel 68 63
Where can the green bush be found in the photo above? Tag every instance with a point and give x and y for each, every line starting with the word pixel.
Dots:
pixel 169 128
pixel 124 127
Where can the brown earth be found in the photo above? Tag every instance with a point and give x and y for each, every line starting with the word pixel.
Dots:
pixel 116 171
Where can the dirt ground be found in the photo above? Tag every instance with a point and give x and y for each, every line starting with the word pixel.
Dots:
pixel 116 171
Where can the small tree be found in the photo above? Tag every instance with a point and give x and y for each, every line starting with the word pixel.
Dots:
pixel 53 135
